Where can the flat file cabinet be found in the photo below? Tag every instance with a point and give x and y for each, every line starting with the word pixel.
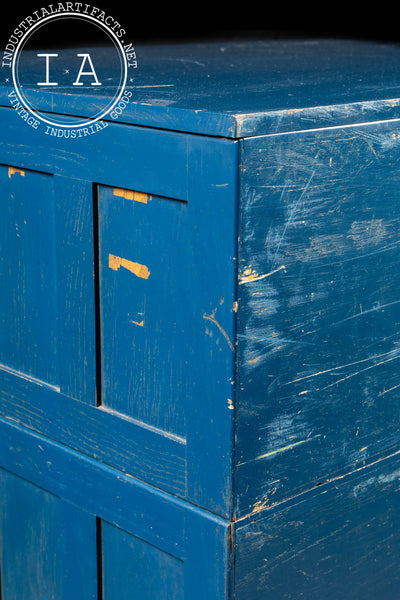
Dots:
pixel 200 331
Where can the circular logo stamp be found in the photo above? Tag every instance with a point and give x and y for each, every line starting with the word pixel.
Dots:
pixel 69 89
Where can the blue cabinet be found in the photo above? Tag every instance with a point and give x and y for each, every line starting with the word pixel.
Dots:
pixel 199 332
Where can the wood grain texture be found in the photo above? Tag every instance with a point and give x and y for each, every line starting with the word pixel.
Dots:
pixel 240 87
pixel 196 347
pixel 340 540
pixel 125 445
pixel 28 272
pixel 206 380
pixel 319 309
pixel 146 314
pixel 48 545
pixel 197 537
pixel 132 568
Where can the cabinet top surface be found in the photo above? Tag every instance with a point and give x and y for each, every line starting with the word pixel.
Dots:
pixel 232 88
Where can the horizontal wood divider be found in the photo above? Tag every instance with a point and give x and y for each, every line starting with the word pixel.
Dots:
pixel 138 450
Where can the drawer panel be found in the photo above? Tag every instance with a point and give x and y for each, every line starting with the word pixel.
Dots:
pixel 46 270
pixel 146 314
pixel 132 568
pixel 141 298
pixel 72 527
pixel 28 273
pixel 47 546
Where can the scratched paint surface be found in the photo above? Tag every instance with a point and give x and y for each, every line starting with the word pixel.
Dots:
pixel 339 540
pixel 234 88
pixel 319 309
pixel 28 298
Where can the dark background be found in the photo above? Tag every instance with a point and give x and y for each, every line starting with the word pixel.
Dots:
pixel 147 22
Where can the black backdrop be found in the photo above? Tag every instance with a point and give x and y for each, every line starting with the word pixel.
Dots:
pixel 148 22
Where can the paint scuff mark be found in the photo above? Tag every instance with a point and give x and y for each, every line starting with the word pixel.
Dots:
pixel 259 506
pixel 132 195
pixel 387 356
pixel 367 233
pixel 286 448
pixel 250 275
pixel 265 501
pixel 158 85
pixel 115 262
pixel 230 404
pixel 292 213
pixel 222 330
pixel 389 390
pixel 13 170
pixel 377 306
pixel 380 480
pixel 253 361
pixel 139 324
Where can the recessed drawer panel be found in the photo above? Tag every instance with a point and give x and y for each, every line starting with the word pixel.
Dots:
pixel 146 324
pixel 47 545
pixel 132 568
pixel 28 299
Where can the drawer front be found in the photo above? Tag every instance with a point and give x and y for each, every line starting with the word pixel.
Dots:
pixel 118 257
pixel 71 526
pixel 48 546
pixel 28 303
pixel 148 317
pixel 132 566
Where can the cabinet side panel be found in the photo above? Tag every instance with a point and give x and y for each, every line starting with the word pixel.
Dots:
pixel 319 308
pixel 340 540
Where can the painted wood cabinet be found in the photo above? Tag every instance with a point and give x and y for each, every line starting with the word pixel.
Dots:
pixel 199 331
